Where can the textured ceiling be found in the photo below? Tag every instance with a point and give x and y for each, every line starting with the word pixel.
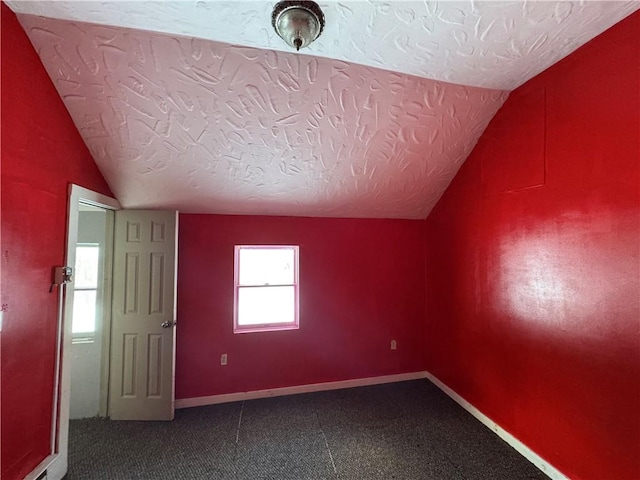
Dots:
pixel 202 126
pixel 492 44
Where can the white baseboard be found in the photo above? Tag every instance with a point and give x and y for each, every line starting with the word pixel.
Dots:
pixel 520 447
pixel 53 467
pixel 314 387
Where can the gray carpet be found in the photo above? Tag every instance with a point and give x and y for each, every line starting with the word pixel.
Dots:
pixel 407 430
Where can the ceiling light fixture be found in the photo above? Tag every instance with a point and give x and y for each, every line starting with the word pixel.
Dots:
pixel 297 22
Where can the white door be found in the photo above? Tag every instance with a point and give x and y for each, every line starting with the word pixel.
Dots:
pixel 141 384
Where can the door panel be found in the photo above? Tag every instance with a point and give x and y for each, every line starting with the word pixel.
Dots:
pixel 144 306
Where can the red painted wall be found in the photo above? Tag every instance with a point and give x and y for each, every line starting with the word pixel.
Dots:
pixel 533 285
pixel 41 154
pixel 361 285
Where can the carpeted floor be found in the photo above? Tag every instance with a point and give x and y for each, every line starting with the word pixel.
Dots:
pixel 407 431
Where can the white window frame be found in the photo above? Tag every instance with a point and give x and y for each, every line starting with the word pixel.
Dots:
pixel 266 327
pixel 89 337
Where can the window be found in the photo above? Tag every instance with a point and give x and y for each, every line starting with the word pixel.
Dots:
pixel 85 292
pixel 266 288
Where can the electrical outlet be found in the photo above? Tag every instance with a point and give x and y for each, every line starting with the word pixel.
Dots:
pixel 394 345
pixel 223 359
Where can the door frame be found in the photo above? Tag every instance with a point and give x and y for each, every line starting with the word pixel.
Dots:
pixel 55 465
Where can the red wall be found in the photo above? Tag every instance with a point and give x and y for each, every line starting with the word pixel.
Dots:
pixel 361 285
pixel 532 270
pixel 533 285
pixel 41 154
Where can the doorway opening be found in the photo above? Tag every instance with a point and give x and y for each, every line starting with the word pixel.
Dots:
pixel 55 465
pixel 137 253
pixel 90 323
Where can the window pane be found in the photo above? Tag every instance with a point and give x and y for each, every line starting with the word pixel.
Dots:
pixel 86 271
pixel 268 266
pixel 258 305
pixel 84 311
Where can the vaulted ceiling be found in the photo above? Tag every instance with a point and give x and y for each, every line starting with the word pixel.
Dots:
pixel 201 107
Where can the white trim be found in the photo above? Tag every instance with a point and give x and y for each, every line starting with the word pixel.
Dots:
pixel 107 290
pixel 93 198
pixel 314 387
pixel 42 467
pixel 520 447
pixel 56 463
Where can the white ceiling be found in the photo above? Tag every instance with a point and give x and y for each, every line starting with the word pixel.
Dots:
pixel 183 119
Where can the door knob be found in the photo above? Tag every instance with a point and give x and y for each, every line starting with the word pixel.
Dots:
pixel 167 324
